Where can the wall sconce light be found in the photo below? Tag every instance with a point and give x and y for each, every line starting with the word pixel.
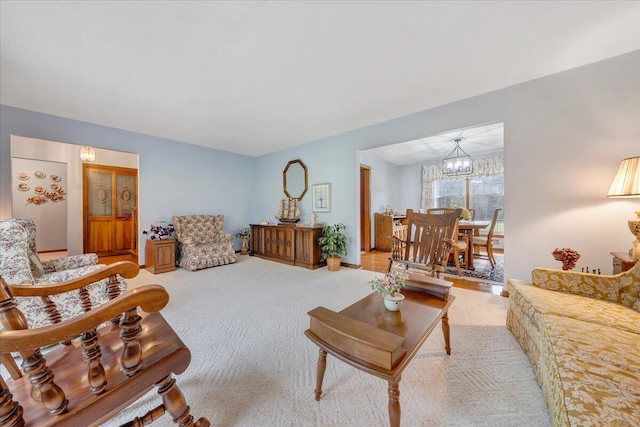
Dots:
pixel 87 154
pixel 627 184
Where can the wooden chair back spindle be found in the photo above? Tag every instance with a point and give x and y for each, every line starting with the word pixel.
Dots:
pixel 117 368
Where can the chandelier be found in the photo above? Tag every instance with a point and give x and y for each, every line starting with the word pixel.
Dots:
pixel 87 154
pixel 457 161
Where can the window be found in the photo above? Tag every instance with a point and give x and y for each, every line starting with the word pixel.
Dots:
pixel 484 194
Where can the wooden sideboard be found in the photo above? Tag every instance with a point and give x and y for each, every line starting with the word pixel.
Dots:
pixel 386 226
pixel 287 243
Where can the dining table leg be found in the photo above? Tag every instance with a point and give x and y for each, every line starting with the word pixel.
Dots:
pixel 469 252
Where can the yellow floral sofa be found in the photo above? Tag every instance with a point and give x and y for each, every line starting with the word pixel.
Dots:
pixel 581 333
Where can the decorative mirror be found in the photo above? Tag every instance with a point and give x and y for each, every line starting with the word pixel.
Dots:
pixel 294 179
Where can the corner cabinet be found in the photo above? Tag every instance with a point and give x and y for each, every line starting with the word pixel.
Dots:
pixel 387 226
pixel 160 255
pixel 288 244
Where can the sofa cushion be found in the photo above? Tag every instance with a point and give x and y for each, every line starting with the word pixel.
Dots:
pixel 541 301
pixel 599 370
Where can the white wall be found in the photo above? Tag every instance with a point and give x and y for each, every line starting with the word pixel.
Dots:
pixel 31 182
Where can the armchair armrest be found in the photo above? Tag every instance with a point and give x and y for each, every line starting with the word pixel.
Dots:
pixel 150 298
pixel 125 269
pixel 66 263
pixel 604 287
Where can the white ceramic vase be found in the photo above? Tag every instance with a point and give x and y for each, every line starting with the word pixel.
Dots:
pixel 393 303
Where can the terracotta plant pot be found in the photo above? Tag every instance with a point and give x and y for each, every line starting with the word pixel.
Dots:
pixel 333 263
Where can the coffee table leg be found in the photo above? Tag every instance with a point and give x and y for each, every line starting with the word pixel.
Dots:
pixel 322 365
pixel 445 331
pixel 394 403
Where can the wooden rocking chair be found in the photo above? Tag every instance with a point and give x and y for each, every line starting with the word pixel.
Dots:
pixel 425 252
pixel 104 368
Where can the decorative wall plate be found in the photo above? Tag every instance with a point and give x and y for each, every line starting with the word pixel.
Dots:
pixel 55 187
pixel 38 190
pixel 23 187
pixel 55 178
pixel 39 174
pixel 23 176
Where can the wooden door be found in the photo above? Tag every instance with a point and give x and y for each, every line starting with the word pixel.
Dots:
pixel 365 209
pixel 110 197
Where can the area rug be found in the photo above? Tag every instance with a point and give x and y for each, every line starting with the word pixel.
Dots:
pixel 252 366
pixel 483 271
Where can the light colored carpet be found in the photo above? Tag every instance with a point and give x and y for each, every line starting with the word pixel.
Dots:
pixel 252 366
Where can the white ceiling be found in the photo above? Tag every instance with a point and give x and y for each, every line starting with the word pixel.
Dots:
pixel 474 141
pixel 257 77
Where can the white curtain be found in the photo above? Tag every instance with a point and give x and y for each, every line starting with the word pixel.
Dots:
pixel 492 166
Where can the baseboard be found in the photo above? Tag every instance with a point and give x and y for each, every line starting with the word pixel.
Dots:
pixel 349 265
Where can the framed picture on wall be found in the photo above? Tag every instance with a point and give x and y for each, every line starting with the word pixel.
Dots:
pixel 321 194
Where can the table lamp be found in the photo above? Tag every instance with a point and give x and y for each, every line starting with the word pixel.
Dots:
pixel 627 184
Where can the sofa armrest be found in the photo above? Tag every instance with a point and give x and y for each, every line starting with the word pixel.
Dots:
pixel 67 263
pixel 604 287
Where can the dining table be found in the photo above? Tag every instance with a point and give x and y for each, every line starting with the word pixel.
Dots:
pixel 468 228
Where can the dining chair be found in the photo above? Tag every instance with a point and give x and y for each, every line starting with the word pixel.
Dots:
pixel 464 244
pixel 430 240
pixel 486 242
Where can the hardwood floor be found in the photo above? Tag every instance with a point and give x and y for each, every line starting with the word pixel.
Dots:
pixel 378 261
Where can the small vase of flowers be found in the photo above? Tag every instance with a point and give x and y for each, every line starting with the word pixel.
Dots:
pixel 159 230
pixel 568 256
pixel 389 287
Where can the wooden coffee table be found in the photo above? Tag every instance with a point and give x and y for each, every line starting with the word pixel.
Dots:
pixel 377 341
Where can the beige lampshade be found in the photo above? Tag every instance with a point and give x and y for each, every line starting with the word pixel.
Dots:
pixel 627 180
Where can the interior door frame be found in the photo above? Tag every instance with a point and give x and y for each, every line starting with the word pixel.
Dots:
pixel 365 208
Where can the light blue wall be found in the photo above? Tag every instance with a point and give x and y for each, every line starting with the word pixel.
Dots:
pixel 174 178
pixel 564 138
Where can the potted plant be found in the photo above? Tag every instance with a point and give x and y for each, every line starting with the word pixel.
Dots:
pixel 389 287
pixel 244 233
pixel 333 244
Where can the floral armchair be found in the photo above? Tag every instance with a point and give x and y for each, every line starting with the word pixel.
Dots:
pixel 202 242
pixel 20 265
